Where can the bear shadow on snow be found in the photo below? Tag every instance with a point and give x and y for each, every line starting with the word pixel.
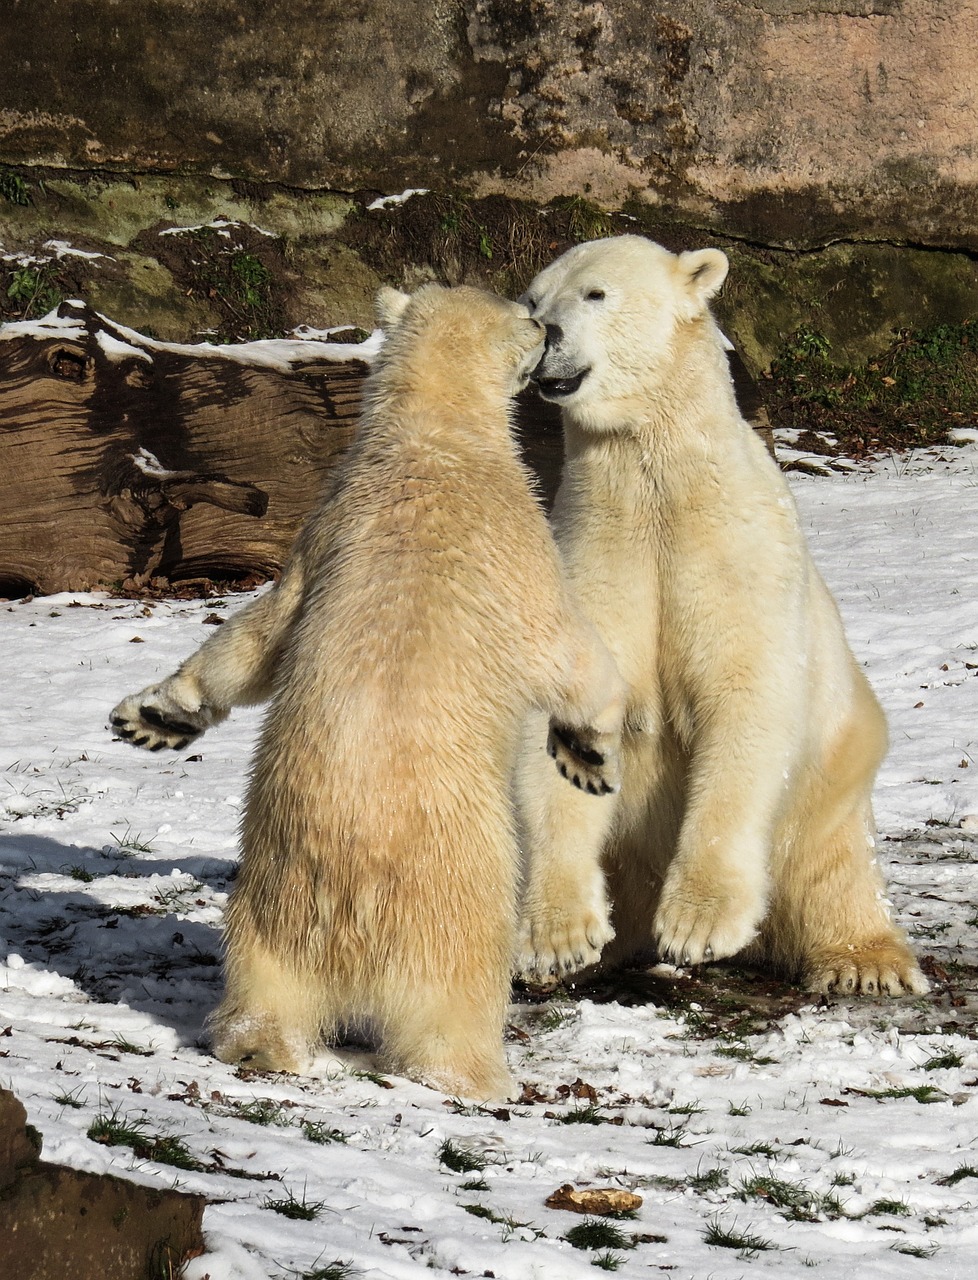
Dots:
pixel 141 954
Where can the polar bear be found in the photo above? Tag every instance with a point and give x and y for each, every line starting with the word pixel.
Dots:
pixel 752 738
pixel 421 614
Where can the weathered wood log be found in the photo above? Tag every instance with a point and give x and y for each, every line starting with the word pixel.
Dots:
pixel 125 461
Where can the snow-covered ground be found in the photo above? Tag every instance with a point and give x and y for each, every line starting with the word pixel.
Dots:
pixel 762 1131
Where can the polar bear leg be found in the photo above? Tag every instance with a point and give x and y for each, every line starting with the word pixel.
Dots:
pixel 564 917
pixel 715 892
pixel 450 1038
pixel 830 923
pixel 271 1017
pixel 586 705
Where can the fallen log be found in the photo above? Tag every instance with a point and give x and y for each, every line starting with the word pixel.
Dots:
pixel 123 459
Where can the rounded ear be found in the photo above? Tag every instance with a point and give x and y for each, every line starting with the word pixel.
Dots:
pixel 389 306
pixel 704 271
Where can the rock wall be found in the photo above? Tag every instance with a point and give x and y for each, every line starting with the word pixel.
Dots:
pixel 824 143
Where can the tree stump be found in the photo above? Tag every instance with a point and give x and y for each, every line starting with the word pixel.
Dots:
pixel 126 462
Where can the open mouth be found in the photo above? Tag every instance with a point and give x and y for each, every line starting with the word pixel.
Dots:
pixel 560 388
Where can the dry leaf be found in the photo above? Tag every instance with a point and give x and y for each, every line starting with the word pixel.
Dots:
pixel 595 1200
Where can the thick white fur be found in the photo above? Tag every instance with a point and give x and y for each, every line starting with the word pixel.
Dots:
pixel 752 737
pixel 420 617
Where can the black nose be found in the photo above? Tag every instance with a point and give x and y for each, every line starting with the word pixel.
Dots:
pixel 555 334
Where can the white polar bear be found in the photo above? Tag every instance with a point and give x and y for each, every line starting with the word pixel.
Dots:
pixel 752 737
pixel 421 614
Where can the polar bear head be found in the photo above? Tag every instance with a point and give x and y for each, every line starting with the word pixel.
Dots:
pixel 616 312
pixel 465 332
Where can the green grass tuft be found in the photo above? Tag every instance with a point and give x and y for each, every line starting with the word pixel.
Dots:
pixel 459 1160
pixel 608 1261
pixel 730 1238
pixel 896 1208
pixel 112 1130
pixel 289 1206
pixel 582 1115
pixel 963 1171
pixel 710 1180
pixel 598 1233
pixel 321 1133
pixel 797 1202
pixel 261 1111
pixel 942 1061
pixel 916 1250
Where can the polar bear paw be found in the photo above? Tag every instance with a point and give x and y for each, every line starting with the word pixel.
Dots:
pixel 258 1044
pixel 696 928
pixel 556 943
pixel 586 758
pixel 154 719
pixel 880 969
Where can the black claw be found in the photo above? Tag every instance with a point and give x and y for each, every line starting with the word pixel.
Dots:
pixel 127 733
pixel 157 746
pixel 606 788
pixel 592 788
pixel 184 742
pixel 562 769
pixel 141 742
pixel 153 717
pixel 577 782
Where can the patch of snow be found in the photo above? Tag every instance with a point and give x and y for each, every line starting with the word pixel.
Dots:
pixel 62 249
pixel 150 465
pixel 223 227
pixel 117 350
pixel 389 202
pixel 67 328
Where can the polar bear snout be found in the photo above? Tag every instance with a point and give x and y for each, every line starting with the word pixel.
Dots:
pixel 559 373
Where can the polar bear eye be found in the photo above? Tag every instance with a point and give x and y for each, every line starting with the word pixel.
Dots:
pixel 594 295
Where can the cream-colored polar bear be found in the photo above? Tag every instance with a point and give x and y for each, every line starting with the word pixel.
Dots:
pixel 421 614
pixel 752 737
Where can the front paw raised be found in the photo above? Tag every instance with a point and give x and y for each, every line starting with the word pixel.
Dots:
pixel 589 760
pixel 153 720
